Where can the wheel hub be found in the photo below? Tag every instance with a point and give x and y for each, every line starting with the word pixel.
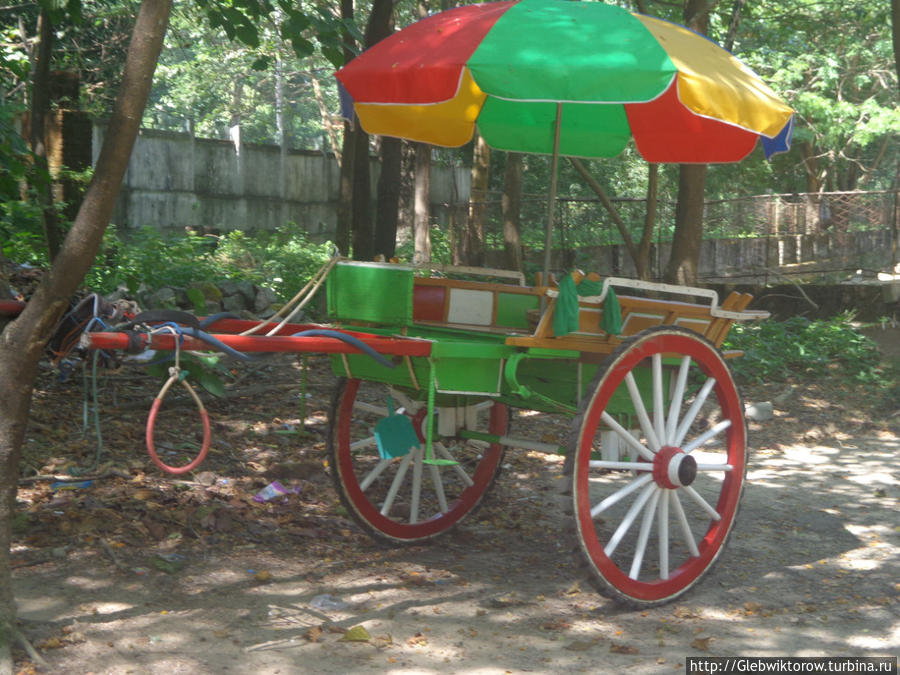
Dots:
pixel 674 468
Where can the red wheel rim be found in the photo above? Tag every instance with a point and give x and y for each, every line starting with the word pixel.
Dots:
pixel 711 364
pixel 457 509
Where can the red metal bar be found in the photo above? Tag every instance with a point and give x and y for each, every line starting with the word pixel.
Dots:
pixel 260 343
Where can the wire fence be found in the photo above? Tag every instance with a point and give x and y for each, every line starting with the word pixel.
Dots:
pixel 585 221
pixel 790 228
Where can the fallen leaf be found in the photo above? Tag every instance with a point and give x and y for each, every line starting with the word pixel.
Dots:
pixel 356 634
pixel 685 613
pixel 50 643
pixel 574 589
pixel 556 624
pixel 579 646
pixel 623 649
pixel 702 644
pixel 417 640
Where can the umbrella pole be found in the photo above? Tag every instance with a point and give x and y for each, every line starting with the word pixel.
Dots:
pixel 554 166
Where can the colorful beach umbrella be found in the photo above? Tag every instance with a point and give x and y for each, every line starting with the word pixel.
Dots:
pixel 565 78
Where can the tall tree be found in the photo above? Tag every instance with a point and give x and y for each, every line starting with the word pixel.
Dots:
pixel 22 341
pixel 895 35
pixel 387 205
pixel 473 235
pixel 357 171
pixel 380 26
pixel 512 211
pixel 348 149
pixel 684 259
pixel 422 203
pixel 37 119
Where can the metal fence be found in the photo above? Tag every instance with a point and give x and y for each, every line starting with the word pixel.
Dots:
pixel 793 233
pixel 584 221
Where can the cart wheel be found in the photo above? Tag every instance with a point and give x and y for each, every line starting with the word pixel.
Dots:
pixel 659 450
pixel 406 499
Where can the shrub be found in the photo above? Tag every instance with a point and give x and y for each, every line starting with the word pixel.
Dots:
pixel 777 350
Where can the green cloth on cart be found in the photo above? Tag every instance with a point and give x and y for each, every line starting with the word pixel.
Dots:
pixel 565 316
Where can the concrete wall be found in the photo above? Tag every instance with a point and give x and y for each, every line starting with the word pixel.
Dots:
pixel 175 180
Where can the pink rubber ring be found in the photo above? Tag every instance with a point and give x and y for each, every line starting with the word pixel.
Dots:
pixel 151 448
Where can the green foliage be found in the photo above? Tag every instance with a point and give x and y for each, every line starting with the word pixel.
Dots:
pixel 440 247
pixel 283 259
pixel 780 350
pixel 21 233
pixel 136 259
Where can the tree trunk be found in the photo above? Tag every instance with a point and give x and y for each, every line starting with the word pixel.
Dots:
pixel 387 211
pixel 345 199
pixel 684 260
pixel 22 341
pixel 895 35
pixel 361 215
pixel 642 263
pixel 39 109
pixel 512 212
pixel 348 154
pixel 633 251
pixel 422 204
pixel 473 237
pixel 381 25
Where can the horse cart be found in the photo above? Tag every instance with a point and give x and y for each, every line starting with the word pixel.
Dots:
pixel 431 365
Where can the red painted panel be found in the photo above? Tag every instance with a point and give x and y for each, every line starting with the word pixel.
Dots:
pixel 428 303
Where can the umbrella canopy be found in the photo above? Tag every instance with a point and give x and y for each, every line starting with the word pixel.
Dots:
pixel 521 70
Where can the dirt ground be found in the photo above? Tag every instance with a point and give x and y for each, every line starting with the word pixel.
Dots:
pixel 140 572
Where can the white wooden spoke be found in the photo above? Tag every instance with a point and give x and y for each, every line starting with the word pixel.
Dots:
pixel 416 496
pixel 644 534
pixel 438 483
pixel 715 467
pixel 397 482
pixel 663 530
pixel 707 436
pixel 620 466
pixel 641 411
pixel 624 434
pixel 685 526
pixel 404 401
pixel 441 449
pixel 620 494
pixel 416 488
pixel 702 503
pixel 363 407
pixel 692 412
pixel 628 520
pixel 363 444
pixel 659 411
pixel 677 399
pixel 374 473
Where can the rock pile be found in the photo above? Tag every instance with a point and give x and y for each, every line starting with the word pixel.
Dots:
pixel 243 298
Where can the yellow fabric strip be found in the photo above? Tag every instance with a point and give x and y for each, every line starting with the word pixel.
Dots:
pixel 449 123
pixel 713 83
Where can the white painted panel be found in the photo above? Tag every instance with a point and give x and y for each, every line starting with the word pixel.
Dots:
pixel 472 307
